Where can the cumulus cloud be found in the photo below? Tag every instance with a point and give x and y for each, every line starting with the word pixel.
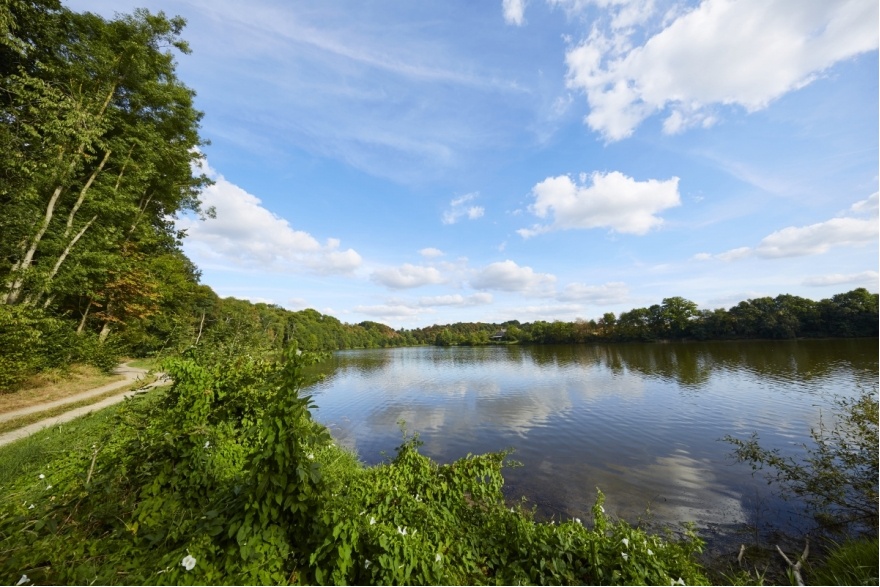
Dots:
pixel 814 239
pixel 606 294
pixel 723 52
pixel 865 279
pixel 407 276
pixel 611 200
pixel 243 232
pixel 459 208
pixel 514 11
pixel 818 238
pixel 510 277
pixel 431 252
pixel 477 299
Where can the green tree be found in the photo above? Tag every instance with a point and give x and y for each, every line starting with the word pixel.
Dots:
pixel 102 135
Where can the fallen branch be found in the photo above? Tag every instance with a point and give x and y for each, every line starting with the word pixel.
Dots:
pixel 796 568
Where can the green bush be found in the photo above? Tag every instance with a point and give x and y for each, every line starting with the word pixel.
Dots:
pixel 837 477
pixel 226 479
pixel 20 344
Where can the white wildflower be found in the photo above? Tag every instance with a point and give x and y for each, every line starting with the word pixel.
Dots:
pixel 188 562
pixel 625 542
pixel 437 558
pixel 624 555
pixel 418 499
pixel 401 531
pixel 578 520
pixel 24 579
pixel 31 507
pixel 367 563
pixel 41 477
pixel 650 552
pixel 207 444
pixel 679 582
pixel 372 520
pixel 311 456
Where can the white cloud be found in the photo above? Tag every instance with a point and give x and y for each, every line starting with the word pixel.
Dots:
pixel 431 252
pixel 508 276
pixel 514 11
pixel 245 233
pixel 407 276
pixel 297 304
pixel 814 239
pixel 723 52
pixel 870 205
pixel 865 278
pixel 818 238
pixel 458 209
pixel 613 200
pixel 477 299
pixel 607 294
pixel 388 311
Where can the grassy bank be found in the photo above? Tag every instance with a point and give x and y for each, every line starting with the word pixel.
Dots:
pixel 224 479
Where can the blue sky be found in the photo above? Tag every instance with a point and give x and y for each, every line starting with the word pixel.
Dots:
pixel 420 163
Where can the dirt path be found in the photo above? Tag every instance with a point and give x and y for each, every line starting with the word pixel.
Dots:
pixel 132 374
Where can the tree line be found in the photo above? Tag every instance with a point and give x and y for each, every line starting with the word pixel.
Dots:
pixel 99 152
pixel 850 314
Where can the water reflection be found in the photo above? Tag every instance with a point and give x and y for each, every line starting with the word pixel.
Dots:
pixel 642 422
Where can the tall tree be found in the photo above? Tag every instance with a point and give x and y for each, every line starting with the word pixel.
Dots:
pixel 101 137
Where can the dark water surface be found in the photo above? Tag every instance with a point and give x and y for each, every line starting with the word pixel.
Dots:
pixel 642 422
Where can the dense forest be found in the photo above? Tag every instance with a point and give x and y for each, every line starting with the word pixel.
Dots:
pixel 100 150
pixel 850 314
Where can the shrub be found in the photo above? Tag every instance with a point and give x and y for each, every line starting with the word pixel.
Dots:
pixel 227 479
pixel 837 477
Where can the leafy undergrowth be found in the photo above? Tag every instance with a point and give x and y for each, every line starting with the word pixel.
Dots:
pixel 226 479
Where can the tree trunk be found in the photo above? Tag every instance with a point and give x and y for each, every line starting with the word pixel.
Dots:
pixel 82 194
pixel 201 324
pixel 33 300
pixel 16 283
pixel 82 323
pixel 105 329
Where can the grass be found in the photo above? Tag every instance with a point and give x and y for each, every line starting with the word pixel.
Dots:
pixel 148 363
pixel 54 385
pixel 28 419
pixel 854 562
pixel 31 455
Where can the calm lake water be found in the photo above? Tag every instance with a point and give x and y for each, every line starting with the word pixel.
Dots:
pixel 642 422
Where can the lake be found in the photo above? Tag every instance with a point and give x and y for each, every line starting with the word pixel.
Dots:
pixel 642 422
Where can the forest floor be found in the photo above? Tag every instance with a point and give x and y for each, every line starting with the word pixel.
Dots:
pixel 27 411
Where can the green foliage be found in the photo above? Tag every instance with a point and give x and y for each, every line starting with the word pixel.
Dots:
pixel 838 476
pixel 227 479
pixel 852 563
pixel 33 340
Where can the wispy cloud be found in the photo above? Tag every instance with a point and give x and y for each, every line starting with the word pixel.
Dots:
pixel 864 279
pixel 460 208
pixel 813 239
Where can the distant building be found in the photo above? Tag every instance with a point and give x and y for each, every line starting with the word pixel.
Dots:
pixel 499 335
